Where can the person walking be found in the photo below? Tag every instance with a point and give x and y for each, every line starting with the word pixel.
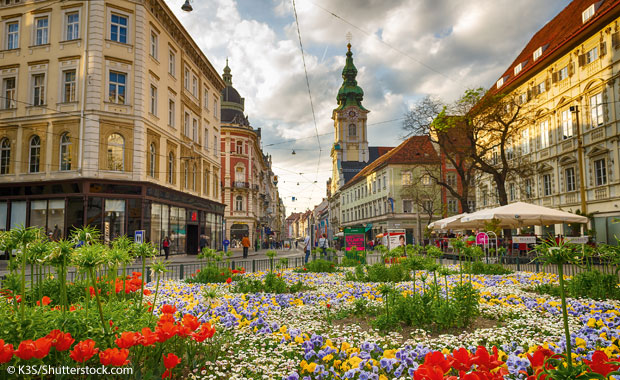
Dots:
pixel 56 235
pixel 202 243
pixel 307 248
pixel 166 245
pixel 323 244
pixel 245 242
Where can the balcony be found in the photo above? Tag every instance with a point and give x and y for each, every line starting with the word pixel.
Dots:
pixel 600 193
pixel 567 145
pixel 598 134
pixel 570 198
pixel 241 185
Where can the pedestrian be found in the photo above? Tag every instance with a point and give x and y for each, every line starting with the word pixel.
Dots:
pixel 56 235
pixel 226 243
pixel 307 248
pixel 203 242
pixel 245 242
pixel 296 244
pixel 323 244
pixel 166 245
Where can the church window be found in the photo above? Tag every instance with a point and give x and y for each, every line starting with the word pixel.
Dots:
pixel 352 130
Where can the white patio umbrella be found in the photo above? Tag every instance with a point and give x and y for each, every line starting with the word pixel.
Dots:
pixel 521 214
pixel 439 224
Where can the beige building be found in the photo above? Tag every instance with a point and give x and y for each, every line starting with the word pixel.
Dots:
pixel 109 117
pixel 568 76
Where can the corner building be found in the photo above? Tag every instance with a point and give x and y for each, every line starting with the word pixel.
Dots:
pixel 109 118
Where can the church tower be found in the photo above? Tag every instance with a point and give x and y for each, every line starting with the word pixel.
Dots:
pixel 350 150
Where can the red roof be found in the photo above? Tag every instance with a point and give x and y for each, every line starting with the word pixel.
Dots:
pixel 562 28
pixel 414 150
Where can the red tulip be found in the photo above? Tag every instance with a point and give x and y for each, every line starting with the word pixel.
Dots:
pixel 148 337
pixel 206 331
pixel 166 331
pixel 228 280
pixel 171 360
pixel 61 341
pixel 601 364
pixel 37 349
pixel 128 339
pixel 114 357
pixel 191 322
pixel 168 309
pixel 460 359
pixel 6 352
pixel 83 351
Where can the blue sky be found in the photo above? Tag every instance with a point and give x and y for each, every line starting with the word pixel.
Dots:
pixel 403 50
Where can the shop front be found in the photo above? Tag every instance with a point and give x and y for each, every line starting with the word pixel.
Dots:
pixel 116 209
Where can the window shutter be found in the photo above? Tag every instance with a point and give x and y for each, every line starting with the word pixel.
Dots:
pixel 615 40
pixel 531 92
pixel 547 84
pixel 603 49
pixel 554 77
pixel 571 69
pixel 582 59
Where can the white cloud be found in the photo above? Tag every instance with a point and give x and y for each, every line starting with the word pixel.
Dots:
pixel 436 47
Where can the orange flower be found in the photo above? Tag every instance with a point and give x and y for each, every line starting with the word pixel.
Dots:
pixel 166 331
pixel 228 280
pixel 128 339
pixel 168 309
pixel 61 341
pixel 171 360
pixel 206 331
pixel 148 337
pixel 147 292
pixel 191 322
pixel 6 352
pixel 37 349
pixel 114 357
pixel 165 318
pixel 83 351
pixel 45 301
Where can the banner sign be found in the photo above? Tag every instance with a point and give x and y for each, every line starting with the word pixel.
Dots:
pixel 524 239
pixel 576 239
pixel 394 238
pixel 354 237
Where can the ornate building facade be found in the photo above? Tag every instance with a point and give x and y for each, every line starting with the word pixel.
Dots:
pixel 109 117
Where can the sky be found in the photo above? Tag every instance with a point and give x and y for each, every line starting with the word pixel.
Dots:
pixel 404 50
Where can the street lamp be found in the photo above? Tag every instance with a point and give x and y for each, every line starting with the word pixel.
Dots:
pixel 187 7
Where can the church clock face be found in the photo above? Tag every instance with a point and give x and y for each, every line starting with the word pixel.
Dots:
pixel 352 113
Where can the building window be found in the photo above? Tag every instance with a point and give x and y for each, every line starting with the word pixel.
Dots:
pixel 186 78
pixel 207 188
pixel 239 203
pixel 5 156
pixel 563 73
pixel 528 188
pixel 41 30
pixel 406 178
pixel 65 152
pixel 216 184
pixel 567 124
pixel 600 172
pixel 544 134
pixel 379 184
pixel 407 206
pixel 153 109
pixel 589 12
pixel 194 86
pixel 541 87
pixel 206 99
pixel 214 144
pixel 195 130
pixel 537 53
pixel 186 175
pixel 116 152
pixel 384 182
pixel 512 192
pixel 426 180
pixel 216 112
pixel 570 179
pixel 69 84
pixel 117 87
pixel 153 155
pixel 471 204
pixel 239 147
pixel 453 206
pixel 518 68
pixel 499 83
pixel 352 130
pixel 154 43
pixel 206 135
pixel 172 63
pixel 72 23
pixel 12 35
pixel 186 124
pixel 451 179
pixel 525 141
pixel 38 89
pixel 34 157
pixel 118 28
pixel 194 173
pixel 8 89
pixel 596 109
pixel 591 55
pixel 547 184
pixel 171 108
pixel 171 168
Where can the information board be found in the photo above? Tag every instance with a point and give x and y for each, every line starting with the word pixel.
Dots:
pixel 354 237
pixel 139 236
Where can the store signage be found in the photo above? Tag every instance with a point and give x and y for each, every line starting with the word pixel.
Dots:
pixel 354 237
pixel 482 238
pixel 524 239
pixel 576 239
pixel 139 237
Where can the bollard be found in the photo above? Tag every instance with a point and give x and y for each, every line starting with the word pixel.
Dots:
pixel 232 265
pixel 253 265
pixel 537 266
pixel 181 272
pixel 518 264
pixel 148 276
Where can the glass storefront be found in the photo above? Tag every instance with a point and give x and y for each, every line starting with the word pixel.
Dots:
pixel 49 216
pixel 3 210
pixel 156 231
pixel 114 219
pixel 18 214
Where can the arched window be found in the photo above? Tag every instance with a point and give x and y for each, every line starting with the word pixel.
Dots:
pixel 185 175
pixel 194 174
pixel 116 152
pixel 239 203
pixel 5 156
pixel 171 168
pixel 153 155
pixel 352 129
pixel 65 152
pixel 34 158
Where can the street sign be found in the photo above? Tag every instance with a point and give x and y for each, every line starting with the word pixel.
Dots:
pixel 482 238
pixel 139 237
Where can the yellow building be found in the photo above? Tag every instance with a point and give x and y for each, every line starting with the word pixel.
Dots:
pixel 108 117
pixel 568 75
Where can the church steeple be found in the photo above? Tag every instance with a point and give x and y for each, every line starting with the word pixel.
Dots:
pixel 350 94
pixel 227 76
